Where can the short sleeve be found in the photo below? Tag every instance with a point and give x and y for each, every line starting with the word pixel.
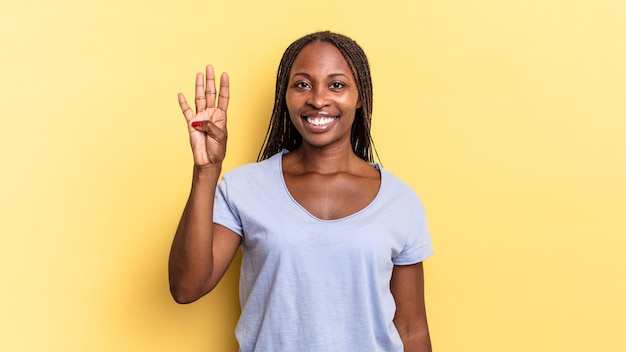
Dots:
pixel 418 245
pixel 224 213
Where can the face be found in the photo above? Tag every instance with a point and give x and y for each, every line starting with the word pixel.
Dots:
pixel 322 96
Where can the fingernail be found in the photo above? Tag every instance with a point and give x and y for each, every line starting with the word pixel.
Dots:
pixel 196 124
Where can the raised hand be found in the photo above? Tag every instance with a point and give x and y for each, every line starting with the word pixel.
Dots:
pixel 207 127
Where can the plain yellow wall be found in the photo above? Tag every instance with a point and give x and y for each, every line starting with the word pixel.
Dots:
pixel 507 117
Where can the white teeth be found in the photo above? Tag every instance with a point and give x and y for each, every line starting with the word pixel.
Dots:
pixel 319 121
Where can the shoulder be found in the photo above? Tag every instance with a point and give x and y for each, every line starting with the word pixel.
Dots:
pixel 394 183
pixel 251 185
pixel 397 191
pixel 257 170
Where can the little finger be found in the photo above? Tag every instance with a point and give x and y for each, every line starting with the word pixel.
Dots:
pixel 187 112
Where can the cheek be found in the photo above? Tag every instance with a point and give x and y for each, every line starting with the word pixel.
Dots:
pixel 293 115
pixel 290 110
pixel 351 101
pixel 352 104
pixel 294 104
pixel 289 102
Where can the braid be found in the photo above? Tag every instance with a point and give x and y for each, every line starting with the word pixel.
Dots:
pixel 282 134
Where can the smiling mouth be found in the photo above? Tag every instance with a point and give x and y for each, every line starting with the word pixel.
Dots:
pixel 320 121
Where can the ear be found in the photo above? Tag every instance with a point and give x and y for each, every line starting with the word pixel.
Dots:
pixel 358 103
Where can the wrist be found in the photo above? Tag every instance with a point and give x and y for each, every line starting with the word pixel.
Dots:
pixel 209 172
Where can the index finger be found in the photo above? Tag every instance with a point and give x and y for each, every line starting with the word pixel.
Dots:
pixel 222 100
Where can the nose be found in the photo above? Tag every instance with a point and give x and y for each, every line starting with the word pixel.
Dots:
pixel 318 98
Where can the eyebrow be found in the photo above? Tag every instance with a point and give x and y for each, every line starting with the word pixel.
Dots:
pixel 332 75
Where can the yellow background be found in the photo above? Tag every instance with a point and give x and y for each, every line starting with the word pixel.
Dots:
pixel 507 117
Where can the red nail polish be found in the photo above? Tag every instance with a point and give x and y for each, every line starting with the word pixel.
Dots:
pixel 196 124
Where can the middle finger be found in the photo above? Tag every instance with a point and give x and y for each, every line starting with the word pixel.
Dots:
pixel 210 87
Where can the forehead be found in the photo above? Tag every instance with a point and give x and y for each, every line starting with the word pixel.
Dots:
pixel 322 56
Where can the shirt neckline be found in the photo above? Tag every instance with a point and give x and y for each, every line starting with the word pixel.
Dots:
pixel 307 212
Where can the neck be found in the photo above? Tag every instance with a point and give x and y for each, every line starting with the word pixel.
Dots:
pixel 308 159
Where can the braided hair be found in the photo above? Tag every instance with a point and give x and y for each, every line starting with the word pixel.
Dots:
pixel 282 134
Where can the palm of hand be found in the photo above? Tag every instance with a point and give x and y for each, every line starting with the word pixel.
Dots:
pixel 209 147
pixel 207 127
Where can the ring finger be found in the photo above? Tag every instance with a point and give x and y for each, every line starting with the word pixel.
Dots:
pixel 200 95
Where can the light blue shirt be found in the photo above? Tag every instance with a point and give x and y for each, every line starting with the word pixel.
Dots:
pixel 317 285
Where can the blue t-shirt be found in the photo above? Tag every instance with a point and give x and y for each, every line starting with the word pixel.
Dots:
pixel 317 285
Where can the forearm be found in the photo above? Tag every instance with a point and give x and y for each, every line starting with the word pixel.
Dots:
pixel 191 255
pixel 416 341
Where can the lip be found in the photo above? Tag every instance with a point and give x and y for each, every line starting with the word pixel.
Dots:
pixel 319 122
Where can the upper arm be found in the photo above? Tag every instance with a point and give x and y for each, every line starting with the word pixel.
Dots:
pixel 407 287
pixel 225 245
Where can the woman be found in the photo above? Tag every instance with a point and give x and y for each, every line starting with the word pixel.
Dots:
pixel 332 243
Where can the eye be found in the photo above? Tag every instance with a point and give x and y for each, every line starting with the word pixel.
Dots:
pixel 301 85
pixel 337 85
